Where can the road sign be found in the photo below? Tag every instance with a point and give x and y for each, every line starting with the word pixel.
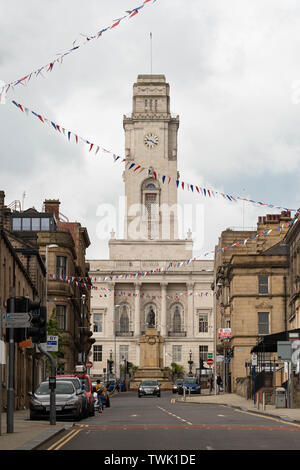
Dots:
pixel 89 365
pixel 224 333
pixel 17 320
pixel 52 343
pixel 254 359
pixel 209 362
pixel 210 355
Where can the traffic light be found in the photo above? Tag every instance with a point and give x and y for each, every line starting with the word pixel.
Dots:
pixel 110 363
pixel 38 330
pixel 20 306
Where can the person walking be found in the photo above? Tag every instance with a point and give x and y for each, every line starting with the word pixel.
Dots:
pixel 219 383
pixel 211 384
pixel 101 390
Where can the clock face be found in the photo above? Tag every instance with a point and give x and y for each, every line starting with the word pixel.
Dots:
pixel 151 140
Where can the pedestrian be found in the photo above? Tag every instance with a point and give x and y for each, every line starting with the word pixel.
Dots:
pixel 211 384
pixel 219 383
pixel 101 390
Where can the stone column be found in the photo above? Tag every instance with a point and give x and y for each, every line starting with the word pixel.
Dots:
pixel 163 317
pixel 137 313
pixel 190 309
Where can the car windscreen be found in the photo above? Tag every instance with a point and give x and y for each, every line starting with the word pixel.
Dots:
pixel 149 383
pixel 61 388
pixel 84 382
pixel 191 380
pixel 75 381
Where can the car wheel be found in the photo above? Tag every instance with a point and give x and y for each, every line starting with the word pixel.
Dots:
pixel 158 395
pixel 139 395
pixel 32 417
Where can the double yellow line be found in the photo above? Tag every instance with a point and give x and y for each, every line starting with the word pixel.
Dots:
pixel 64 440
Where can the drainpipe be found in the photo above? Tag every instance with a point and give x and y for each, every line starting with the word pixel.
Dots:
pixel 285 301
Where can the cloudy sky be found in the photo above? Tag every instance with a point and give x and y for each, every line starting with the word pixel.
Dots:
pixel 234 73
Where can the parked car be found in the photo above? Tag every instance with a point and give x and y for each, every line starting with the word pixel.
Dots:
pixel 68 401
pixel 78 386
pixel 176 385
pixel 87 384
pixel 190 385
pixel 105 399
pixel 149 387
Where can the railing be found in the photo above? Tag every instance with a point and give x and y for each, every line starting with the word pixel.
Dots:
pixel 177 334
pixel 124 333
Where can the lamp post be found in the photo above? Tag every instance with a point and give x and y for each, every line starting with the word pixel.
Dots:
pixel 190 362
pixel 115 338
pixel 83 299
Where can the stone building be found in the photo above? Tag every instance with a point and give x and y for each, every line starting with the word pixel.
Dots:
pixel 22 273
pixel 62 245
pixel 251 290
pixel 176 301
pixel 293 241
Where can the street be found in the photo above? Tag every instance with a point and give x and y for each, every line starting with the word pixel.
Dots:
pixel 151 423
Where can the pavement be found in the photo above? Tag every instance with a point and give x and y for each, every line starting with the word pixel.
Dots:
pixel 28 434
pixel 236 401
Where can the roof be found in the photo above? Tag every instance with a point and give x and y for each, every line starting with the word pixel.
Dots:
pixel 268 343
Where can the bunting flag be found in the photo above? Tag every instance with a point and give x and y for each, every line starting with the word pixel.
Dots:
pixel 170 265
pixel 81 41
pixel 137 169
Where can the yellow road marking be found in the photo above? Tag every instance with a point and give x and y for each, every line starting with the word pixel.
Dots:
pixel 64 440
pixel 278 420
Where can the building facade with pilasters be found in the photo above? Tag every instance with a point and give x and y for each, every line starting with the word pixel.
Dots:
pixel 142 283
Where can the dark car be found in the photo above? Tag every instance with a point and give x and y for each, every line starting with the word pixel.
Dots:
pixel 190 385
pixel 78 386
pixel 149 387
pixel 68 402
pixel 176 385
pixel 87 386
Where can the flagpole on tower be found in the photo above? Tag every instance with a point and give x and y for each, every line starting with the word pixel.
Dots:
pixel 151 53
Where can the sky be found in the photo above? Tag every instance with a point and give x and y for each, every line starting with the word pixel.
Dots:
pixel 234 72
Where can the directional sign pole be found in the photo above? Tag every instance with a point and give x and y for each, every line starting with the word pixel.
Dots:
pixel 11 362
pixel 52 384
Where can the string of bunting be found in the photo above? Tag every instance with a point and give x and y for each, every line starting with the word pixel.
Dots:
pixel 81 41
pixel 176 264
pixel 137 169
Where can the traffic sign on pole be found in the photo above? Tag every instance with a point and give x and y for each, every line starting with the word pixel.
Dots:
pixel 210 362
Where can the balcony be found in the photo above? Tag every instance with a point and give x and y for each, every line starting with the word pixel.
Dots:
pixel 177 334
pixel 124 333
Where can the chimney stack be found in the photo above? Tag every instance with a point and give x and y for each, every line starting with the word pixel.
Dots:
pixel 52 206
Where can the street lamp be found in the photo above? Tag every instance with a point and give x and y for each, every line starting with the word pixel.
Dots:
pixel 83 299
pixel 190 362
pixel 115 337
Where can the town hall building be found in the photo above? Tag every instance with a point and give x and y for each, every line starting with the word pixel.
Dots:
pixel 140 285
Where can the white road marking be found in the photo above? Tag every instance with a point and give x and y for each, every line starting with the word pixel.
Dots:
pixel 175 416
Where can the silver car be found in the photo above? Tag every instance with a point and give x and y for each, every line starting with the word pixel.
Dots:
pixel 68 401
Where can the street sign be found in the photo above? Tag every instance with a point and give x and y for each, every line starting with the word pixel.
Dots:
pixel 254 359
pixel 52 343
pixel 284 350
pixel 220 358
pixel 210 355
pixel 17 320
pixel 224 333
pixel 209 362
pixel 89 364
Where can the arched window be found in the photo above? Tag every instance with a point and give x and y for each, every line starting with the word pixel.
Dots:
pixel 150 201
pixel 124 319
pixel 177 313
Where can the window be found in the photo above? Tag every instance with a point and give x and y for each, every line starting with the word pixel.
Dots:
pixel 203 323
pixel 124 320
pixel 61 317
pixel 263 284
pixel 203 352
pixel 45 224
pixel 177 319
pixel 61 266
pixel 263 323
pixel 124 352
pixel 26 224
pixel 97 353
pixel 98 319
pixel 36 223
pixel 176 353
pixel 16 224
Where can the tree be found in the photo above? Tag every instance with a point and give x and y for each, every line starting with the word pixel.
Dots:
pixel 177 370
pixel 52 330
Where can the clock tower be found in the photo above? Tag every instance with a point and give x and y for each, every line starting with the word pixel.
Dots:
pixel 151 200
